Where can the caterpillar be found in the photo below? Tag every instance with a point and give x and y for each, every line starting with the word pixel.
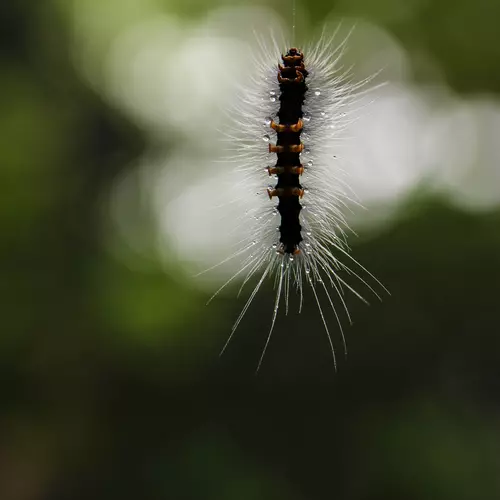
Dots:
pixel 300 108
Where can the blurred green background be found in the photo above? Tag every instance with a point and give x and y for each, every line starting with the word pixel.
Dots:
pixel 111 384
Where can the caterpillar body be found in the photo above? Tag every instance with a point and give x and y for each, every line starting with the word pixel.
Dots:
pixel 300 110
pixel 288 169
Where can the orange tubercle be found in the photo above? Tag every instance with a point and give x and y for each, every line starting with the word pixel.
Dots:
pixel 299 78
pixel 289 169
pixel 285 192
pixel 296 127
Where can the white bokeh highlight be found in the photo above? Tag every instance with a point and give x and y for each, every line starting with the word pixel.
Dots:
pixel 174 77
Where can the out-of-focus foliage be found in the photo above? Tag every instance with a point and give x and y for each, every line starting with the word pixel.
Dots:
pixel 110 381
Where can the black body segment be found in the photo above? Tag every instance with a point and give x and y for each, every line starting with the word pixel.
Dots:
pixel 291 75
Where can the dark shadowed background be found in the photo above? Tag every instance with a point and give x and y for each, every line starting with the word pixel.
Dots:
pixel 110 380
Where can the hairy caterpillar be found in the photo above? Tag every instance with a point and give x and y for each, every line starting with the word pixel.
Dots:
pixel 300 110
